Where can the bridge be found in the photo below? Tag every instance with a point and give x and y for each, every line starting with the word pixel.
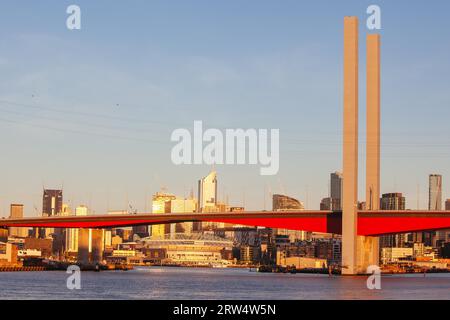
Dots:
pixel 369 223
pixel 359 229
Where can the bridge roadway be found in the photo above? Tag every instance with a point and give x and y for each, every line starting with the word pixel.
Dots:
pixel 369 223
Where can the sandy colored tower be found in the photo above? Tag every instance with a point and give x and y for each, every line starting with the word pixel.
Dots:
pixel 350 146
pixel 373 123
pixel 359 252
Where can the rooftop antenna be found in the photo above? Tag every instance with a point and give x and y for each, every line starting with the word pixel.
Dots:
pixel 307 197
pixel 264 192
pixel 283 190
pixel 418 196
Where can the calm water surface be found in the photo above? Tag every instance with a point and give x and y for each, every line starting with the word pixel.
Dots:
pixel 186 283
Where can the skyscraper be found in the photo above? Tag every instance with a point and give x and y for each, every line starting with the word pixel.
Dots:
pixel 161 203
pixel 207 192
pixel 52 202
pixel 333 202
pixel 336 185
pixel 435 203
pixel 435 192
pixel 393 201
pixel 72 234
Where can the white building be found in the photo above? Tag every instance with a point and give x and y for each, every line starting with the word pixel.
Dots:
pixel 389 255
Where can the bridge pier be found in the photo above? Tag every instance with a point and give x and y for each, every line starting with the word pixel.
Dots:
pixel 359 252
pixel 83 246
pixel 97 246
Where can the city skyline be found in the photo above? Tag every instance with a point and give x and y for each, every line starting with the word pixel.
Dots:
pixel 130 167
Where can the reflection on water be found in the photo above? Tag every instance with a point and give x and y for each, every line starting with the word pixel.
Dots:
pixel 186 283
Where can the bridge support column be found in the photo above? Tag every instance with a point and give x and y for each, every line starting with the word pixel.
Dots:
pixel 83 246
pixel 368 250
pixel 97 245
pixel 350 147
pixel 367 253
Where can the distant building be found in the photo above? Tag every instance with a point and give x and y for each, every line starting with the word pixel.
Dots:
pixel 393 201
pixel 389 255
pixel 207 192
pixel 330 204
pixel 336 190
pixel 161 203
pixel 435 203
pixel 45 246
pixel 72 235
pixel 284 203
pixel 180 205
pixel 52 202
pixel 435 192
pixel 3 235
pixel 194 249
pixel 16 212
pixel 447 204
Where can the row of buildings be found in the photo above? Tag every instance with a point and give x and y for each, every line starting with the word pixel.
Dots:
pixel 208 243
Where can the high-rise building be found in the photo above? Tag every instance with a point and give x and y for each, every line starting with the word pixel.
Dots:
pixel 16 212
pixel 447 204
pixel 207 192
pixel 435 192
pixel 180 205
pixel 161 203
pixel 393 201
pixel 330 204
pixel 335 190
pixel 435 203
pixel 52 202
pixel 72 235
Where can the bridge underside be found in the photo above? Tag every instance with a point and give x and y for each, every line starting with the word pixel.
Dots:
pixel 370 223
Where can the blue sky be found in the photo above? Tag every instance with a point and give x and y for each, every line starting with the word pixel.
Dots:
pixel 92 110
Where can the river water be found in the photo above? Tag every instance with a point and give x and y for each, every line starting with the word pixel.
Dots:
pixel 202 283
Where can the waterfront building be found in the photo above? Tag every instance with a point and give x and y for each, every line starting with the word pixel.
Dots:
pixel 389 255
pixel 45 246
pixel 195 249
pixel 300 262
pixel 249 254
pixel 3 235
